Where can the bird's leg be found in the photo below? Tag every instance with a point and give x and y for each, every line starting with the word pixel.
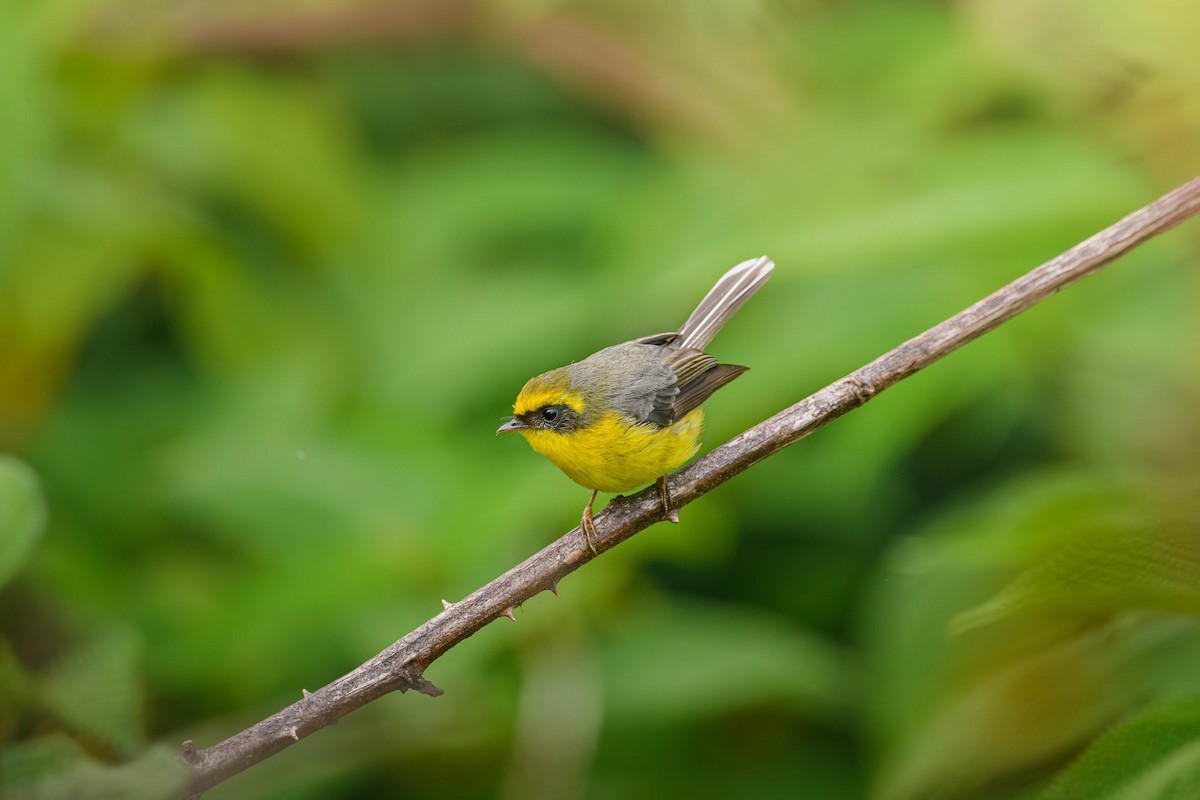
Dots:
pixel 664 494
pixel 589 527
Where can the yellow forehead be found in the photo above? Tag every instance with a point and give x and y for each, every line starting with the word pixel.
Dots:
pixel 547 390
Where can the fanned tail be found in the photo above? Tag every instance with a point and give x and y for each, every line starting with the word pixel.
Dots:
pixel 723 301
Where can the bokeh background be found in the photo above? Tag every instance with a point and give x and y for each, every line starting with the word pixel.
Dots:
pixel 272 273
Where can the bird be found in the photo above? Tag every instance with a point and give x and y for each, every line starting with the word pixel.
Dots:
pixel 630 414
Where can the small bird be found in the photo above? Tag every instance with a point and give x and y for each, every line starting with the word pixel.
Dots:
pixel 630 414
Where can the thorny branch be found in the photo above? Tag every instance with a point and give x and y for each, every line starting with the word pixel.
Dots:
pixel 402 666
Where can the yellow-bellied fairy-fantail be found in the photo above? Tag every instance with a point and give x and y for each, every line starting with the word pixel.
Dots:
pixel 630 414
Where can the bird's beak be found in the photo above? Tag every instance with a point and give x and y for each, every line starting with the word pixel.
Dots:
pixel 513 424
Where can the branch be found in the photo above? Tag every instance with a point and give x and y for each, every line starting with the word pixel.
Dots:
pixel 401 666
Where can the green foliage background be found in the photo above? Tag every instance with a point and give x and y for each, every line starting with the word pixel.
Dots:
pixel 270 275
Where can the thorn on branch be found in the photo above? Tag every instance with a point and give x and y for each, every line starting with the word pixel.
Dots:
pixel 293 733
pixel 508 612
pixel 305 693
pixel 446 604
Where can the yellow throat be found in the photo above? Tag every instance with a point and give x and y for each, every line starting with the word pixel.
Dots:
pixel 609 450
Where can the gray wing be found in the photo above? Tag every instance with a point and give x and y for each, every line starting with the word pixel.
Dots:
pixel 676 385
pixel 635 379
pixel 651 396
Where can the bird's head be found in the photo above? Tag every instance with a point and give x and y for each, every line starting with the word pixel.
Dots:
pixel 546 404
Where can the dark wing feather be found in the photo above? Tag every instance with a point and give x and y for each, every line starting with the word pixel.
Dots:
pixel 688 365
pixel 662 406
pixel 660 339
pixel 697 376
pixel 701 388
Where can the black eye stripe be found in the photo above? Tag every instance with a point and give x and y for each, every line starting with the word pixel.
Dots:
pixel 558 416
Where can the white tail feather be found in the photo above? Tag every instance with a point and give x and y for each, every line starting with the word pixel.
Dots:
pixel 722 301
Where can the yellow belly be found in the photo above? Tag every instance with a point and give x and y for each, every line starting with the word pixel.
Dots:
pixel 617 454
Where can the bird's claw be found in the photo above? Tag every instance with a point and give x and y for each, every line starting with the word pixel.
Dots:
pixel 664 496
pixel 589 526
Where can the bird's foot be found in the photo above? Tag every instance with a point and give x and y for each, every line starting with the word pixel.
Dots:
pixel 664 495
pixel 588 525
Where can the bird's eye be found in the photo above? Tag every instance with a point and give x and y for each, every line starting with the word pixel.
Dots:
pixel 550 414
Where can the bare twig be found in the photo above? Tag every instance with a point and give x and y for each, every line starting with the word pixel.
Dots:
pixel 402 665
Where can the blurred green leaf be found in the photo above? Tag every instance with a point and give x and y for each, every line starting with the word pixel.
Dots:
pixel 956 713
pixel 56 769
pixel 696 659
pixel 1154 756
pixel 277 150
pixel 24 99
pixel 22 515
pixel 25 765
pixel 17 693
pixel 96 691
pixel 1009 717
pixel 1102 570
